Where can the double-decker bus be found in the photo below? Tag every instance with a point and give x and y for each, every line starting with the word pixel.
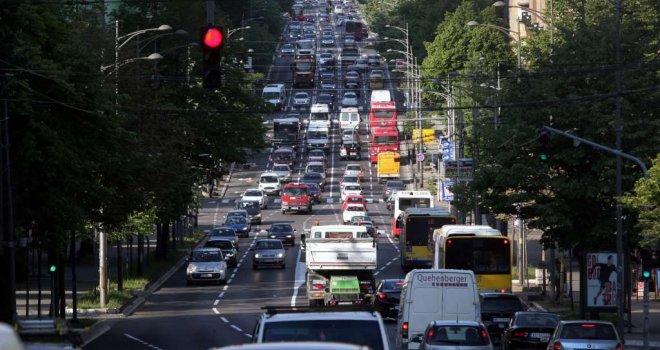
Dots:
pixel 403 200
pixel 382 114
pixel 385 139
pixel 479 248
pixel 416 237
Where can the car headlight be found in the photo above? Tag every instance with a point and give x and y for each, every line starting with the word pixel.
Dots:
pixel 288 236
pixel 191 268
pixel 271 236
pixel 229 255
pixel 280 255
pixel 285 203
pixel 256 255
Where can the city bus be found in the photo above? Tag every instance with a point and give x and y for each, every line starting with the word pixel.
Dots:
pixel 383 139
pixel 481 249
pixel 416 237
pixel 402 200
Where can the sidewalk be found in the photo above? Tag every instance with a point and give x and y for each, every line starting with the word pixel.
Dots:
pixel 633 336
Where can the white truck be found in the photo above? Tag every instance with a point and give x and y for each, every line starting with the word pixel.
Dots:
pixel 340 261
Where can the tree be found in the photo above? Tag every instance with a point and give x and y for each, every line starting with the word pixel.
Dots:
pixel 646 203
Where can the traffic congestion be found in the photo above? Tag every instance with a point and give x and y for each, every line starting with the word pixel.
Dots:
pixel 323 243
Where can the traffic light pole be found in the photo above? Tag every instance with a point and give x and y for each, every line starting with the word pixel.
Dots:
pixel 645 309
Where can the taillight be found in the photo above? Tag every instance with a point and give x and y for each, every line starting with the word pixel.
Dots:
pixel 484 334
pixel 382 296
pixel 318 286
pixel 520 334
pixel 404 330
pixel 557 346
pixel 619 346
pixel 429 335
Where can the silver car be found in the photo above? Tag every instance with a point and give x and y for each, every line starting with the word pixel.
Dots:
pixel 283 172
pixel 450 335
pixel 206 265
pixel 350 99
pixel 301 99
pixel 570 335
pixel 268 252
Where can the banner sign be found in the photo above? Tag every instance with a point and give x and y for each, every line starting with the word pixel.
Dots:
pixel 601 280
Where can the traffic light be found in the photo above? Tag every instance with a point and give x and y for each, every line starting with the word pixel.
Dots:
pixel 212 41
pixel 544 139
pixel 647 270
pixel 52 268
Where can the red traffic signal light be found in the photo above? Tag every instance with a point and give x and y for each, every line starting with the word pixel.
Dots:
pixel 213 38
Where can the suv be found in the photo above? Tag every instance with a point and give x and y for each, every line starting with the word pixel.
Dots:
pixel 497 309
pixel 270 183
pixel 295 197
pixel 268 252
pixel 326 325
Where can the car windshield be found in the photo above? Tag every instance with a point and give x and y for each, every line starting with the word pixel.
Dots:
pixel 356 219
pixel 315 168
pixel 281 228
pixel 268 245
pixel 353 168
pixel 222 232
pixel 236 220
pixel 350 95
pixel 588 331
pixel 383 114
pixel 219 244
pixel 253 194
pixel 355 199
pixel 301 95
pixel 352 188
pixel 457 336
pixel 295 191
pixel 340 331
pixel 205 255
pixel 350 179
pixel 355 208
pixel 393 285
pixel 501 305
pixel 269 179
pixel 281 168
pixel 394 184
pixel 537 319
pixel 313 176
pixel 316 153
pixel 248 204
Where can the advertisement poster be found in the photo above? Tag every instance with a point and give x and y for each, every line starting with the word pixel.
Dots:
pixel 447 194
pixel 601 280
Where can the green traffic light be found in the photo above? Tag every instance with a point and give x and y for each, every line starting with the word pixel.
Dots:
pixel 543 156
pixel 646 274
pixel 53 268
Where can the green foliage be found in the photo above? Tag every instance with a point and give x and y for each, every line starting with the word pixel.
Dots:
pixel 646 203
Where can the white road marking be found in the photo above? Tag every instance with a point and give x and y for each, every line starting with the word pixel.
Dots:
pixel 216 311
pixel 215 303
pixel 221 295
pixel 236 328
pixel 248 335
pixel 225 287
pixel 229 281
pixel 142 341
pixel 299 277
pixel 224 320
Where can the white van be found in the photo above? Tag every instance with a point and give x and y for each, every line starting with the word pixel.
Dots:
pixel 435 294
pixel 381 96
pixel 274 94
pixel 319 113
pixel 349 118
pixel 269 182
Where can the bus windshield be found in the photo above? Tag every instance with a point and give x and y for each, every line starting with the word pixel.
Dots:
pixel 481 255
pixel 419 230
pixel 405 203
pixel 303 66
pixel 385 139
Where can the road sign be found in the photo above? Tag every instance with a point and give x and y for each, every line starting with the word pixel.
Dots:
pixel 447 194
pixel 427 136
pixel 447 149
pixel 420 157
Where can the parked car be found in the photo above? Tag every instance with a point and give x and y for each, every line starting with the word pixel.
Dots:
pixel 257 195
pixel 573 335
pixel 386 298
pixel 282 231
pixel 228 250
pixel 206 265
pixel 450 335
pixel 497 309
pixel 225 232
pixel 529 330
pixel 268 252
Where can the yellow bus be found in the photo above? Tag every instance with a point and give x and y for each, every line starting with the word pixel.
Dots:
pixel 481 249
pixel 416 234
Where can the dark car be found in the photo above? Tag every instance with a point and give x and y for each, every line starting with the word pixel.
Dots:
pixel 392 186
pixel 497 309
pixel 386 298
pixel 326 98
pixel 530 330
pixel 282 231
pixel 226 233
pixel 239 224
pixel 253 209
pixel 228 250
pixel 315 192
pixel 313 178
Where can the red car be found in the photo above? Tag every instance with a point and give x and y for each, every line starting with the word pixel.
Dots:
pixel 296 197
pixel 350 199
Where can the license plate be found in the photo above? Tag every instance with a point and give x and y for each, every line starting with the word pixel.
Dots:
pixel 497 319
pixel 207 275
pixel 541 336
pixel 294 198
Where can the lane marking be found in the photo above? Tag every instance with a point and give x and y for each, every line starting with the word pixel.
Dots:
pixel 142 341
pixel 225 287
pixel 236 328
pixel 224 320
pixel 215 303
pixel 216 311
pixel 248 335
pixel 221 295
pixel 299 276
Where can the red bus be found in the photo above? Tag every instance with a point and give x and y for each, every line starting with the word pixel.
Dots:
pixel 383 139
pixel 382 114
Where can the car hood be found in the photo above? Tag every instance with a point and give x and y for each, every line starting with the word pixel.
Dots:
pixel 251 198
pixel 237 227
pixel 263 252
pixel 206 265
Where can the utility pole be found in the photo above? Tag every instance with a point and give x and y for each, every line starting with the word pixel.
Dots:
pixel 619 224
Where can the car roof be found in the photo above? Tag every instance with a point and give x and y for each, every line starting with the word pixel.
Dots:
pixel 306 345
pixel 455 323
pixel 267 240
pixel 315 163
pixel 351 184
pixel 216 238
pixel 499 295
pixel 253 189
pixel 205 249
pixel 565 322
pixel 317 316
pixel 238 210
pixel 268 173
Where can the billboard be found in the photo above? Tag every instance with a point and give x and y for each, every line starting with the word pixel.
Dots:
pixel 427 135
pixel 601 280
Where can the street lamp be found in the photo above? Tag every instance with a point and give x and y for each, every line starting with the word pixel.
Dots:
pixel 506 31
pixel 526 11
pixel 232 31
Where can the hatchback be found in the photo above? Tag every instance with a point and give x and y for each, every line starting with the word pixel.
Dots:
pixel 386 298
pixel 228 250
pixel 227 233
pixel 450 335
pixel 301 99
pixel 206 265
pixel 573 335
pixel 497 309
pixel 268 252
pixel 529 330
pixel 350 99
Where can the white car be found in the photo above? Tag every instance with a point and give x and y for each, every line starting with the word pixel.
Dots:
pixel 354 169
pixel 350 188
pixel 301 99
pixel 283 172
pixel 353 209
pixel 206 264
pixel 256 195
pixel 350 99
pixel 270 183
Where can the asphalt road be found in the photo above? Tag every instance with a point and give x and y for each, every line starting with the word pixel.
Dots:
pixel 203 316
